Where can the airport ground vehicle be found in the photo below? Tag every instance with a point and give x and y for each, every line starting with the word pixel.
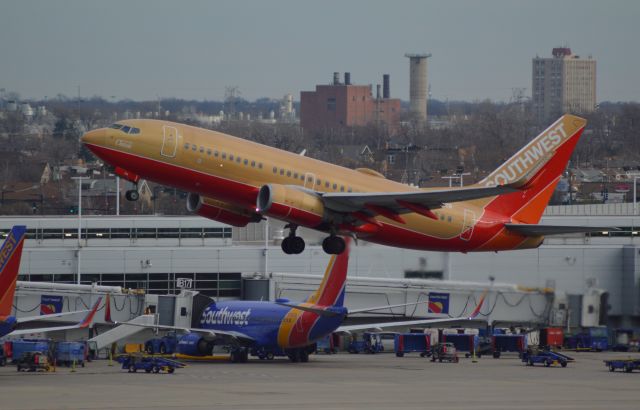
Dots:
pixel 163 345
pixel 594 339
pixel 535 355
pixel 444 352
pixel 3 357
pixel 626 365
pixel 326 345
pixel 412 342
pixel 33 361
pixel 149 364
pixel 468 343
pixel 501 343
pixel 371 343
pixel 66 353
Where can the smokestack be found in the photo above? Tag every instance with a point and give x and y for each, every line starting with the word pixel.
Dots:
pixel 347 78
pixel 377 91
pixel 386 93
pixel 336 78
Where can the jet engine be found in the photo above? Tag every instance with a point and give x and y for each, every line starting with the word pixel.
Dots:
pixel 291 204
pixel 220 211
pixel 193 344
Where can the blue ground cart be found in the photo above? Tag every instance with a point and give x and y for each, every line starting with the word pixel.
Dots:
pixel 412 343
pixel 626 365
pixel 546 357
pixel 149 364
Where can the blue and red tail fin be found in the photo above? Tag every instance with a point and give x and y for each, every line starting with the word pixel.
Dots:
pixel 86 322
pixel 10 255
pixel 332 287
pixel 537 168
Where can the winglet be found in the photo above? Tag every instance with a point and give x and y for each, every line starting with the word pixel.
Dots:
pixel 89 318
pixel 476 311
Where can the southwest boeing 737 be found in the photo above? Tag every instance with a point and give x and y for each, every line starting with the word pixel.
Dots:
pixel 236 182
pixel 266 328
pixel 10 255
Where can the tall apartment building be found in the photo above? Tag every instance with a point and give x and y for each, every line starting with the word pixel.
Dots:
pixel 339 105
pixel 564 83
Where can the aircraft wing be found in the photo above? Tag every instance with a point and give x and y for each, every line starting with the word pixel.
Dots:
pixel 222 334
pixel 83 324
pixel 49 316
pixel 398 201
pixel 543 230
pixel 364 326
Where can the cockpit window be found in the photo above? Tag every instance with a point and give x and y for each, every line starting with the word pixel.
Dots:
pixel 115 126
pixel 134 130
pixel 125 129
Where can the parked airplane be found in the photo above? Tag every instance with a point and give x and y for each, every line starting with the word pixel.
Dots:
pixel 265 328
pixel 237 181
pixel 10 255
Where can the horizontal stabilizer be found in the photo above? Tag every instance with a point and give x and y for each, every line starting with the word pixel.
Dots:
pixel 316 310
pixel 543 230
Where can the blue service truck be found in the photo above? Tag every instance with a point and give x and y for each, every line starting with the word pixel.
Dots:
pixel 534 355
pixel 592 338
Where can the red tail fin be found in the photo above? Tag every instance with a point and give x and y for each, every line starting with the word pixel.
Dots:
pixel 539 166
pixel 86 322
pixel 10 255
pixel 332 287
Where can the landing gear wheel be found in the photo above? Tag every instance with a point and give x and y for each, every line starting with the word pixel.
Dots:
pixel 333 245
pixel 304 356
pixel 270 356
pixel 293 245
pixel 132 195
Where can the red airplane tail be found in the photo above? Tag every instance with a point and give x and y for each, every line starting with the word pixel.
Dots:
pixel 332 288
pixel 10 255
pixel 537 168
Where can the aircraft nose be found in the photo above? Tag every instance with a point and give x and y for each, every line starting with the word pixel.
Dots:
pixel 95 137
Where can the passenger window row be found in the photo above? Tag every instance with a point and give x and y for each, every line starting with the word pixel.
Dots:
pixel 291 174
pixel 223 155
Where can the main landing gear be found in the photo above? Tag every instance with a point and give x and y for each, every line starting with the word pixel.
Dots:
pixel 300 354
pixel 333 245
pixel 292 244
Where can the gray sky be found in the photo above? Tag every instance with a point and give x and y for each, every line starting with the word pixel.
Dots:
pixel 193 49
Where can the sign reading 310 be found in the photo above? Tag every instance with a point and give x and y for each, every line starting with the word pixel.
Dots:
pixel 184 283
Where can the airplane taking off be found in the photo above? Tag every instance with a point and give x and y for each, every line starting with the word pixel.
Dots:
pixel 236 182
pixel 10 255
pixel 265 328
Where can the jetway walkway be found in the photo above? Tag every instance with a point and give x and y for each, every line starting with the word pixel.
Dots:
pixel 119 332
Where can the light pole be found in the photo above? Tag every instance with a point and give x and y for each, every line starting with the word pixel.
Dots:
pixel 79 179
pixel 635 201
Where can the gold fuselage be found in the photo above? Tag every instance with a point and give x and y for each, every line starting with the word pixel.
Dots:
pixel 241 167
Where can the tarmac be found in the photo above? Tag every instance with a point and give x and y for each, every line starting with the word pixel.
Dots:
pixel 341 381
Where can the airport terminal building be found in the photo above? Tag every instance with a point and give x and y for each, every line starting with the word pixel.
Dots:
pixel 572 280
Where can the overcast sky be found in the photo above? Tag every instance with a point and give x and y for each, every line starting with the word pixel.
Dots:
pixel 193 49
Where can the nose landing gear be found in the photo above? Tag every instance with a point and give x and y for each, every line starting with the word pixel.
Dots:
pixel 132 195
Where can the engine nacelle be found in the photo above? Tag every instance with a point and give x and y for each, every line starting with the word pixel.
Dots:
pixel 291 204
pixel 193 344
pixel 220 211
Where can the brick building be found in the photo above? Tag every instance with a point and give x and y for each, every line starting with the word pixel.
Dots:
pixel 341 105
